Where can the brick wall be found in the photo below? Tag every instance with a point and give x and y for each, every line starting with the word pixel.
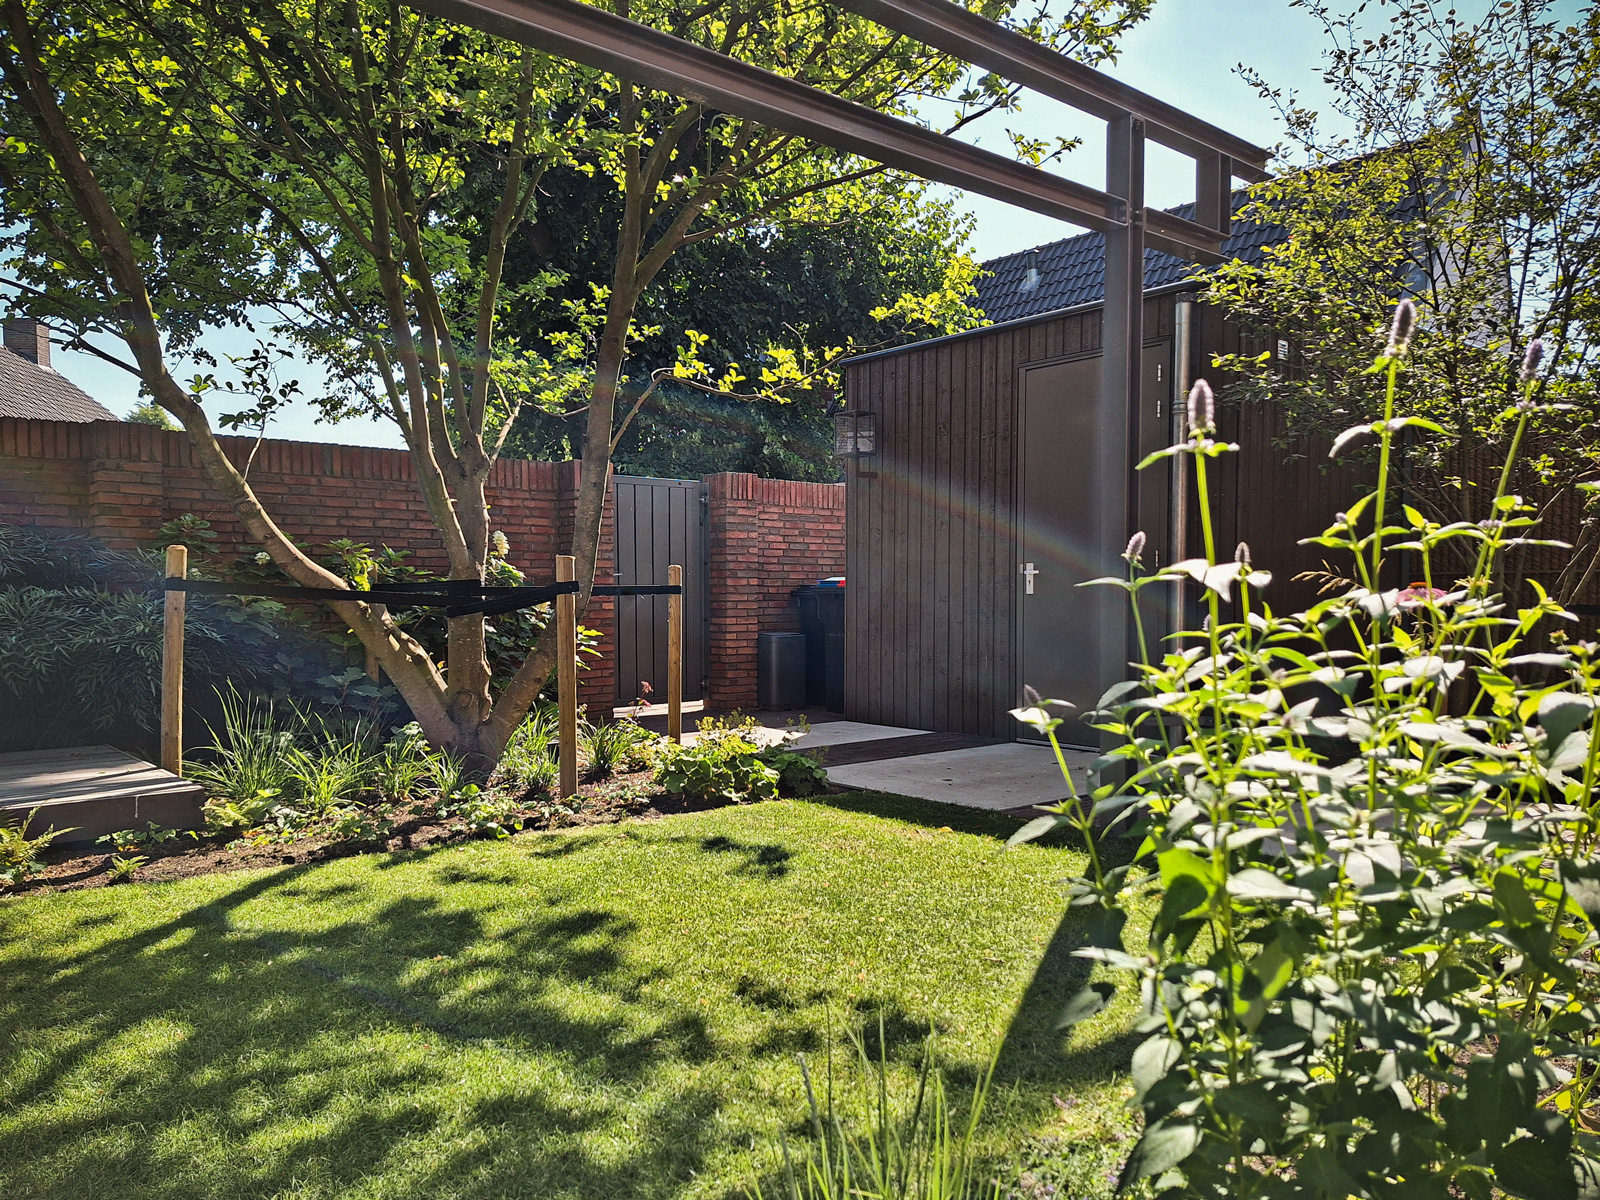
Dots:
pixel 767 537
pixel 120 482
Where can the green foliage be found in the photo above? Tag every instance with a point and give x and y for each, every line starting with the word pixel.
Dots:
pixel 926 1153
pixel 799 774
pixel 126 841
pixel 80 644
pixel 529 763
pixel 250 761
pixel 19 853
pixel 150 414
pixel 123 867
pixel 1371 828
pixel 723 762
pixel 473 810
pixel 1464 175
pixel 609 744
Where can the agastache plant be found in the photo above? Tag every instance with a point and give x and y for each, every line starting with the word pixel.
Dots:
pixel 1366 839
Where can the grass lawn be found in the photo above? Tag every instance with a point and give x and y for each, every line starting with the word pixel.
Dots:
pixel 607 1013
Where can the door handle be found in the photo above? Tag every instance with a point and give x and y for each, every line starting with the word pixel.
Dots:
pixel 1028 572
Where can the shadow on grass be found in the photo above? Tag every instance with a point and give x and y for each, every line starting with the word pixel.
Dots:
pixel 201 1036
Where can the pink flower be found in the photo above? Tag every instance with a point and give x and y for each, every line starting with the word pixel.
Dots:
pixel 1419 594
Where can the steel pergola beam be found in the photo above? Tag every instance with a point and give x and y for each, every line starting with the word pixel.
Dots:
pixel 589 35
pixel 1009 54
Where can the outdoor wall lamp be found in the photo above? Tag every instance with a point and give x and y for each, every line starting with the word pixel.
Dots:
pixel 855 434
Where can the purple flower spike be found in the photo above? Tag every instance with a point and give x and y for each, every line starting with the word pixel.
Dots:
pixel 1400 331
pixel 1202 406
pixel 1531 361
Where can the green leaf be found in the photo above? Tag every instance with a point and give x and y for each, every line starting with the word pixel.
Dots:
pixel 1084 1005
pixel 1104 928
pixel 1035 828
pixel 1254 883
pixel 1582 880
pixel 1320 1168
pixel 1163 1146
pixel 1184 896
pixel 1535 1170
pixel 1152 1059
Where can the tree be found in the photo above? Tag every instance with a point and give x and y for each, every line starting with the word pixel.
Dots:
pixel 150 414
pixel 1470 181
pixel 191 159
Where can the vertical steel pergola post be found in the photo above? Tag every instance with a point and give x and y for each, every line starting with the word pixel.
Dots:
pixel 1121 356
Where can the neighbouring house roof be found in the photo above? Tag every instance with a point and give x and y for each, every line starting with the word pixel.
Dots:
pixel 30 388
pixel 1072 271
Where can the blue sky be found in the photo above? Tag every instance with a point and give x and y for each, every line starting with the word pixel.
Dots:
pixel 1185 54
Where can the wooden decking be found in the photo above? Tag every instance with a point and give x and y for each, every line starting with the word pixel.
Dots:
pixel 97 789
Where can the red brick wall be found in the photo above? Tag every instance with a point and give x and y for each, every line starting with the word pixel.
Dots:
pixel 120 482
pixel 768 536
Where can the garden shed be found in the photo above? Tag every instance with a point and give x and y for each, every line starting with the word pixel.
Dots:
pixel 974 516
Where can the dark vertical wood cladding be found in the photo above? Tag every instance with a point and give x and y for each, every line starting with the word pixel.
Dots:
pixel 931 524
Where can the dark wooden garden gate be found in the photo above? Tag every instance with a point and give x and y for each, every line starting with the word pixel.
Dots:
pixel 660 522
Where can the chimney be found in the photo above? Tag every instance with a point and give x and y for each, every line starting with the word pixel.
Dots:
pixel 29 339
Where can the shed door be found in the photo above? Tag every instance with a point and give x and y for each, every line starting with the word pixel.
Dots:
pixel 1063 627
pixel 660 522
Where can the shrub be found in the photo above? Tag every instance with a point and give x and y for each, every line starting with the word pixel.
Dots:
pixel 1372 831
pixel 252 758
pixel 19 854
pixel 799 774
pixel 724 762
pixel 528 764
pixel 611 743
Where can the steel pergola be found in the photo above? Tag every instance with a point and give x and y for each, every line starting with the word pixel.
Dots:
pixel 596 38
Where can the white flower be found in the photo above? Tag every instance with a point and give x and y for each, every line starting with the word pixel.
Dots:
pixel 262 558
pixel 500 543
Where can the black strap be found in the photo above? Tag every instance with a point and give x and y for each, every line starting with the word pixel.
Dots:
pixel 458 597
pixel 450 595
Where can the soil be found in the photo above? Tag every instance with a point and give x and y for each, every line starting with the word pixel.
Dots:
pixel 602 802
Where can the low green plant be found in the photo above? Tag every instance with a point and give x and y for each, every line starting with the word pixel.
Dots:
pixel 223 815
pixel 401 765
pixel 19 853
pixel 926 1153
pixel 329 772
pixel 528 764
pixel 799 774
pixel 356 823
pixel 252 757
pixel 1373 829
pixel 723 762
pixel 123 867
pixel 609 744
pixel 126 841
pixel 475 811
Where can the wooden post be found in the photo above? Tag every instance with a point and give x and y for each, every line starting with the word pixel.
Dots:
pixel 172 664
pixel 675 656
pixel 567 673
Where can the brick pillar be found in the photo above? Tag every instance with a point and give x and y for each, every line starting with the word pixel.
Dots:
pixel 737 588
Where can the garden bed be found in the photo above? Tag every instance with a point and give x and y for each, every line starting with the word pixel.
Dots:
pixel 623 796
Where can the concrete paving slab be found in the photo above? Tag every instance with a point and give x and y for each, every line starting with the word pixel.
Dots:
pixel 844 733
pixel 1007 776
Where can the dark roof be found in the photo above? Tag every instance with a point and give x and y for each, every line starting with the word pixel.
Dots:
pixel 1072 271
pixel 29 390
